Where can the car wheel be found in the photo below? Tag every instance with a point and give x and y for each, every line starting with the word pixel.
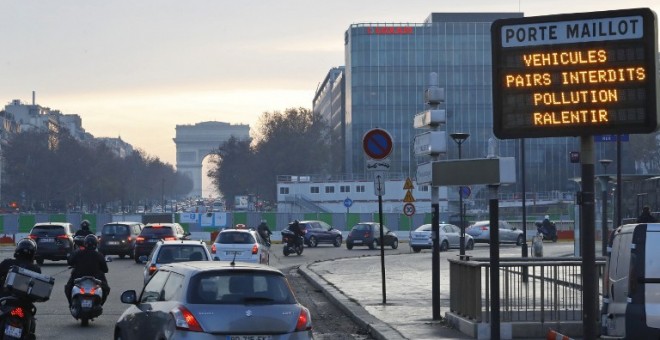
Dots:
pixel 554 238
pixel 349 246
pixel 312 242
pixel 417 250
pixel 285 251
pixel 374 244
pixel 395 244
pixel 337 242
pixel 470 245
pixel 121 256
pixel 520 240
pixel 136 258
pixel 444 246
pixel 40 261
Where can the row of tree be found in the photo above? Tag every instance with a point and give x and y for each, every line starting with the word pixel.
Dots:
pixel 45 170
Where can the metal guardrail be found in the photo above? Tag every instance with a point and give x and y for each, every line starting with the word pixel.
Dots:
pixel 532 289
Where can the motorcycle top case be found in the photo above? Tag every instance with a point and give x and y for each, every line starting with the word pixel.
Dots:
pixel 29 283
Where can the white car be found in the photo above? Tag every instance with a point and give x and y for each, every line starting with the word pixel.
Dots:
pixel 450 237
pixel 240 245
pixel 174 251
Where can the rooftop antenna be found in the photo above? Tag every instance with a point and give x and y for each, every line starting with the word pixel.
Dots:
pixel 233 261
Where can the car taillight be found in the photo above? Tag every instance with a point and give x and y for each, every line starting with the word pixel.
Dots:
pixel 185 320
pixel 152 269
pixel 139 239
pixel 169 238
pixel 304 321
pixel 62 237
pixel 366 235
pixel 128 239
pixel 213 248
pixel 34 237
pixel 18 312
pixel 484 228
pixel 255 249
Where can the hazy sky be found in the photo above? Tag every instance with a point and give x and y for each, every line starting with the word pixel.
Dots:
pixel 136 69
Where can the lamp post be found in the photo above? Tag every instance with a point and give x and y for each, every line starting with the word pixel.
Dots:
pixel 459 138
pixel 604 181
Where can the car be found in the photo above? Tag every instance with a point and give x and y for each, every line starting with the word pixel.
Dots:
pixel 166 252
pixel 368 234
pixel 480 232
pixel 320 232
pixel 118 238
pixel 152 233
pixel 54 241
pixel 244 245
pixel 210 300
pixel 450 237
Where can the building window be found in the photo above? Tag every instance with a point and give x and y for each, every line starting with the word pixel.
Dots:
pixel 329 190
pixel 314 190
pixel 284 190
pixel 424 188
pixel 359 188
pixel 345 188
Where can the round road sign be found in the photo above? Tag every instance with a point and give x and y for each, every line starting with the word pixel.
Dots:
pixel 465 192
pixel 348 202
pixel 409 209
pixel 377 143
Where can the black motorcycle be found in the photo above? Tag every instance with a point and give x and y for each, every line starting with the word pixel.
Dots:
pixel 17 318
pixel 290 244
pixel 547 233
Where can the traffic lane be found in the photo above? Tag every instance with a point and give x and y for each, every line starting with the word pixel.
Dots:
pixel 54 321
pixel 326 252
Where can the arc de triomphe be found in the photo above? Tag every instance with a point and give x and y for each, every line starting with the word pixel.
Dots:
pixel 194 142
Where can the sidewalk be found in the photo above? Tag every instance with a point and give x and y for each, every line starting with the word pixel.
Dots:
pixel 355 286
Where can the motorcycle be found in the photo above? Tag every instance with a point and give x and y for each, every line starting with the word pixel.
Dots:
pixel 86 297
pixel 290 245
pixel 547 234
pixel 78 243
pixel 17 311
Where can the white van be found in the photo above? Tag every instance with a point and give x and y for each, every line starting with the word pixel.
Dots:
pixel 631 309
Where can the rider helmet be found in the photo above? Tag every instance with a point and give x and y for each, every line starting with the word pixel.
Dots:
pixel 91 242
pixel 26 248
pixel 84 225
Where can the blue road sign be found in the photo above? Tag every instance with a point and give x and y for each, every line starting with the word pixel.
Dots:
pixel 348 202
pixel 465 192
pixel 377 143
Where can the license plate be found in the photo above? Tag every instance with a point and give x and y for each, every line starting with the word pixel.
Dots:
pixel 233 253
pixel 249 337
pixel 86 303
pixel 113 243
pixel 46 240
pixel 153 241
pixel 13 331
pixel 357 241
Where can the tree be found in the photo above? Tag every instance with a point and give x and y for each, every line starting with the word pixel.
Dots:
pixel 233 171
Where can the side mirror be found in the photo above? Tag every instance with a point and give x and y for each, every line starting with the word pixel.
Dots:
pixel 143 258
pixel 108 259
pixel 129 297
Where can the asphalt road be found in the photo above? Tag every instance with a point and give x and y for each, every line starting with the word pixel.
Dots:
pixel 55 322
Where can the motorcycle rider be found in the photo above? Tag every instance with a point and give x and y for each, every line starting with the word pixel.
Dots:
pixel 23 257
pixel 547 227
pixel 88 262
pixel 295 228
pixel 264 231
pixel 84 229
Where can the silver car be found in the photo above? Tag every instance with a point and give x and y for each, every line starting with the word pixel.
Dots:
pixel 450 237
pixel 480 231
pixel 174 251
pixel 214 300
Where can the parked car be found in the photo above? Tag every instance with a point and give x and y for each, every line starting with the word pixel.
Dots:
pixel 320 232
pixel 166 252
pixel 632 283
pixel 54 241
pixel 450 237
pixel 154 232
pixel 210 299
pixel 480 232
pixel 368 234
pixel 244 245
pixel 118 238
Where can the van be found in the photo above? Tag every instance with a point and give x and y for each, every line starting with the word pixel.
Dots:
pixel 631 308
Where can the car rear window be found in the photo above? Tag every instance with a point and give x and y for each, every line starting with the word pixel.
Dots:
pixel 156 231
pixel 235 238
pixel 48 230
pixel 239 287
pixel 181 253
pixel 362 227
pixel 115 229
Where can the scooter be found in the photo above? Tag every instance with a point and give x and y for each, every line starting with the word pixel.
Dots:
pixel 290 244
pixel 86 297
pixel 547 234
pixel 17 318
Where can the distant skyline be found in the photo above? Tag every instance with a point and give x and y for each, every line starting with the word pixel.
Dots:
pixel 136 69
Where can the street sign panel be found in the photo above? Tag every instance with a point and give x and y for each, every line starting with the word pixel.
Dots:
pixel 378 164
pixel 611 138
pixel 379 183
pixel 377 144
pixel 424 173
pixel 429 118
pixel 430 143
pixel 409 209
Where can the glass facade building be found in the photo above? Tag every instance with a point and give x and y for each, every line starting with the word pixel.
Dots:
pixel 387 71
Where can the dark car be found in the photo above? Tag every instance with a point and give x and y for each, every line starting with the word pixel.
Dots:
pixel 214 300
pixel 54 241
pixel 154 232
pixel 320 232
pixel 118 238
pixel 368 234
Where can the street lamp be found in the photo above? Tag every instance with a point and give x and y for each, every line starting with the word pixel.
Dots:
pixel 604 181
pixel 459 138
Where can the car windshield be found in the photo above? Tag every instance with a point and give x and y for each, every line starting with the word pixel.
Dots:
pixel 48 230
pixel 115 229
pixel 180 253
pixel 235 237
pixel 239 287
pixel 156 231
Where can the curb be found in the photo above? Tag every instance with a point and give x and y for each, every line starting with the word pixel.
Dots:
pixel 355 311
